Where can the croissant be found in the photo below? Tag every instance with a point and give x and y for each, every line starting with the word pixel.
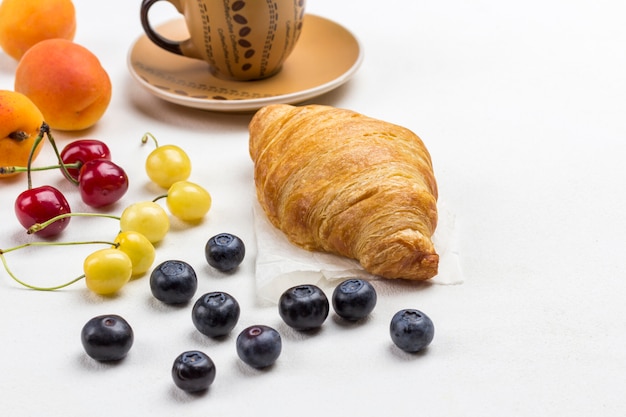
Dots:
pixel 336 181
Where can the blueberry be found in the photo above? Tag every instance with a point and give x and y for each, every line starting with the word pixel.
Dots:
pixel 259 346
pixel 411 330
pixel 107 337
pixel 224 252
pixel 173 282
pixel 303 307
pixel 193 371
pixel 215 314
pixel 354 299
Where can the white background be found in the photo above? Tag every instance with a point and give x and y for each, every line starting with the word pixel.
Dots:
pixel 522 107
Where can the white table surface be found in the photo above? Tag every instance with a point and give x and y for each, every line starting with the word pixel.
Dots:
pixel 522 107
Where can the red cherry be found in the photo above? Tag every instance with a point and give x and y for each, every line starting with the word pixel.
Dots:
pixel 83 150
pixel 102 182
pixel 40 204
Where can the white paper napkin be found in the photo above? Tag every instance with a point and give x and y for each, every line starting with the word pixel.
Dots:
pixel 281 264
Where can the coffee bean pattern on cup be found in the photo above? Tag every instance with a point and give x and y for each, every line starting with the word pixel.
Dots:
pixel 239 17
pixel 238 9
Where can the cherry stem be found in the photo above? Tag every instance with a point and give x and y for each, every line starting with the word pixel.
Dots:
pixel 162 196
pixel 13 169
pixel 42 131
pixel 56 287
pixel 40 226
pixel 63 166
pixel 147 136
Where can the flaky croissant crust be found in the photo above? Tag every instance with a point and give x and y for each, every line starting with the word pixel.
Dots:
pixel 337 181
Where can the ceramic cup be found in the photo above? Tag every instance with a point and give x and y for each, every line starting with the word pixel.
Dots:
pixel 239 39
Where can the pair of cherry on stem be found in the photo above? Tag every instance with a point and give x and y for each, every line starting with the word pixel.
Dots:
pixel 85 163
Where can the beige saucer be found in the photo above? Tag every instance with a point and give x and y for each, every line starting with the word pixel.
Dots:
pixel 325 57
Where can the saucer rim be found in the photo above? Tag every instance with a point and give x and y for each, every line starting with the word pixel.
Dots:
pixel 243 105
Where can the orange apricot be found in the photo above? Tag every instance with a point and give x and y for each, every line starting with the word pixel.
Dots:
pixel 25 23
pixel 20 121
pixel 66 82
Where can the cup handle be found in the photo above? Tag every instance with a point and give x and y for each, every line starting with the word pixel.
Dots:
pixel 167 44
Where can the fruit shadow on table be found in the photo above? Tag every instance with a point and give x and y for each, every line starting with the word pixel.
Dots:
pixel 8 67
